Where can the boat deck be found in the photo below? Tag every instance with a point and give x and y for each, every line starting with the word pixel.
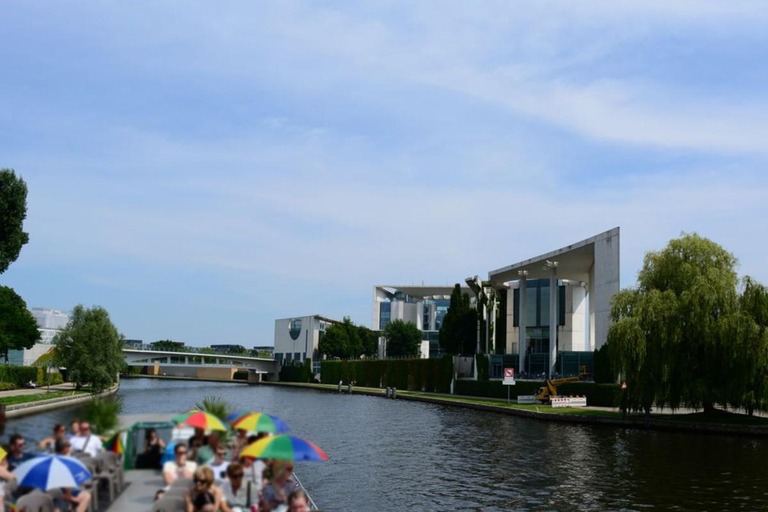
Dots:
pixel 139 493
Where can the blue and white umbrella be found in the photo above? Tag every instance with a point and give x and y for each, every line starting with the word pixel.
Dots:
pixel 51 472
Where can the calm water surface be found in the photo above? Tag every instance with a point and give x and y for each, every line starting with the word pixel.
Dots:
pixel 396 455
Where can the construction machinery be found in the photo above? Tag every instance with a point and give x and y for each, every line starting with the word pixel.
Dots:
pixel 549 390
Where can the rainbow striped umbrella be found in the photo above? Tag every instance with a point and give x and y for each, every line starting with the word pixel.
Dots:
pixel 283 447
pixel 260 422
pixel 114 443
pixel 234 416
pixel 200 419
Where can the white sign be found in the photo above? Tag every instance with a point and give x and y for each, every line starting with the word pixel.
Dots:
pixel 526 399
pixel 568 401
pixel 509 376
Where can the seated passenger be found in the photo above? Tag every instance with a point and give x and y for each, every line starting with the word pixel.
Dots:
pixel 239 494
pixel 196 499
pixel 180 467
pixel 71 497
pixel 277 490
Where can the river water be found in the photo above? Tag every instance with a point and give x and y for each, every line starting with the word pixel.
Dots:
pixel 390 455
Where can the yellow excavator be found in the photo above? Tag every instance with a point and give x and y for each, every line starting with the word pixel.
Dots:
pixel 546 392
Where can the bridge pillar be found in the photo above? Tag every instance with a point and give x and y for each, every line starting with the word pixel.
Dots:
pixel 254 377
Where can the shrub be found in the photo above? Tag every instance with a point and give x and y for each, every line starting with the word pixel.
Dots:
pixel 103 413
pixel 7 386
pixel 53 379
pixel 18 375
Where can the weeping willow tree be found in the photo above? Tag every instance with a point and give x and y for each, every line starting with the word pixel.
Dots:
pixel 683 337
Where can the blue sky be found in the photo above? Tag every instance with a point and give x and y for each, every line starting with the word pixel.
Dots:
pixel 202 168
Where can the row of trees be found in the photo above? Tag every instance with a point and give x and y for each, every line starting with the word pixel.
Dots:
pixel 346 340
pixel 18 329
pixel 691 334
pixel 233 350
pixel 89 346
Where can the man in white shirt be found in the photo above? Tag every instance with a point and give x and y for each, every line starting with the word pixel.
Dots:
pixel 86 441
pixel 219 464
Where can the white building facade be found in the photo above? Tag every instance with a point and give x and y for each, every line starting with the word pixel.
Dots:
pixel 49 322
pixel 297 339
pixel 423 306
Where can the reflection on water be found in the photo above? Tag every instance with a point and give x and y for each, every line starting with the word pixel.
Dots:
pixel 396 455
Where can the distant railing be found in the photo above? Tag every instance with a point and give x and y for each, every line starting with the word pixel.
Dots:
pixel 192 350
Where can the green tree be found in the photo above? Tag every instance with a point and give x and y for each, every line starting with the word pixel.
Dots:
pixel 458 334
pixel 369 341
pixel 680 338
pixel 335 341
pixel 403 339
pixel 13 211
pixel 237 350
pixel 91 348
pixel 18 328
pixel 354 343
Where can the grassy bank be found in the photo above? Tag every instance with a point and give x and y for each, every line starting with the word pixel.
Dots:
pixel 37 397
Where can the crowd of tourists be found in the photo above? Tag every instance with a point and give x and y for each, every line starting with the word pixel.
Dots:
pixel 205 474
pixel 218 478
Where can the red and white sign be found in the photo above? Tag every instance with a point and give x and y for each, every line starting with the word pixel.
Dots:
pixel 509 377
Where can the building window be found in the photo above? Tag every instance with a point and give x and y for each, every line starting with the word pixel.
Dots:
pixel 297 356
pixel 385 314
pixel 279 357
pixel 294 329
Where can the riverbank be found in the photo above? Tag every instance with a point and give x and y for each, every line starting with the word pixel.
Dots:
pixel 719 423
pixel 42 401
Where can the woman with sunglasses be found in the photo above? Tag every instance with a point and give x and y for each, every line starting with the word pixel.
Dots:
pixel 202 484
pixel 239 493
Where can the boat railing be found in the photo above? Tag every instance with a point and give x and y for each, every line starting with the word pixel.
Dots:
pixel 312 505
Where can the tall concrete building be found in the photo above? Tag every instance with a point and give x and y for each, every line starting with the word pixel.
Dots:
pixel 552 304
pixel 540 323
pixel 297 338
pixel 49 322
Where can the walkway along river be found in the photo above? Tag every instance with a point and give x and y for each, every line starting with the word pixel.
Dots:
pixel 398 455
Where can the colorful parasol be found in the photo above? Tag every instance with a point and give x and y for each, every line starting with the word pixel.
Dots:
pixel 114 443
pixel 200 419
pixel 3 453
pixel 284 447
pixel 260 422
pixel 234 416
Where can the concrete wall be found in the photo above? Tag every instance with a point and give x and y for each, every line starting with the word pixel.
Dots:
pixel 304 344
pixel 603 284
pixel 216 373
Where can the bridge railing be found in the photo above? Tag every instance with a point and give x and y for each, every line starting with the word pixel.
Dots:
pixel 204 351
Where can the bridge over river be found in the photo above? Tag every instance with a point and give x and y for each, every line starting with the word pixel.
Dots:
pixel 198 364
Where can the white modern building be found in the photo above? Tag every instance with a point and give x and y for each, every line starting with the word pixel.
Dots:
pixel 297 338
pixel 575 319
pixel 424 306
pixel 49 322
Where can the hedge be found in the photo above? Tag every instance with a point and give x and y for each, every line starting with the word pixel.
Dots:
pixel 43 379
pixel 18 375
pixel 433 375
pixel 601 395
pixel 296 372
